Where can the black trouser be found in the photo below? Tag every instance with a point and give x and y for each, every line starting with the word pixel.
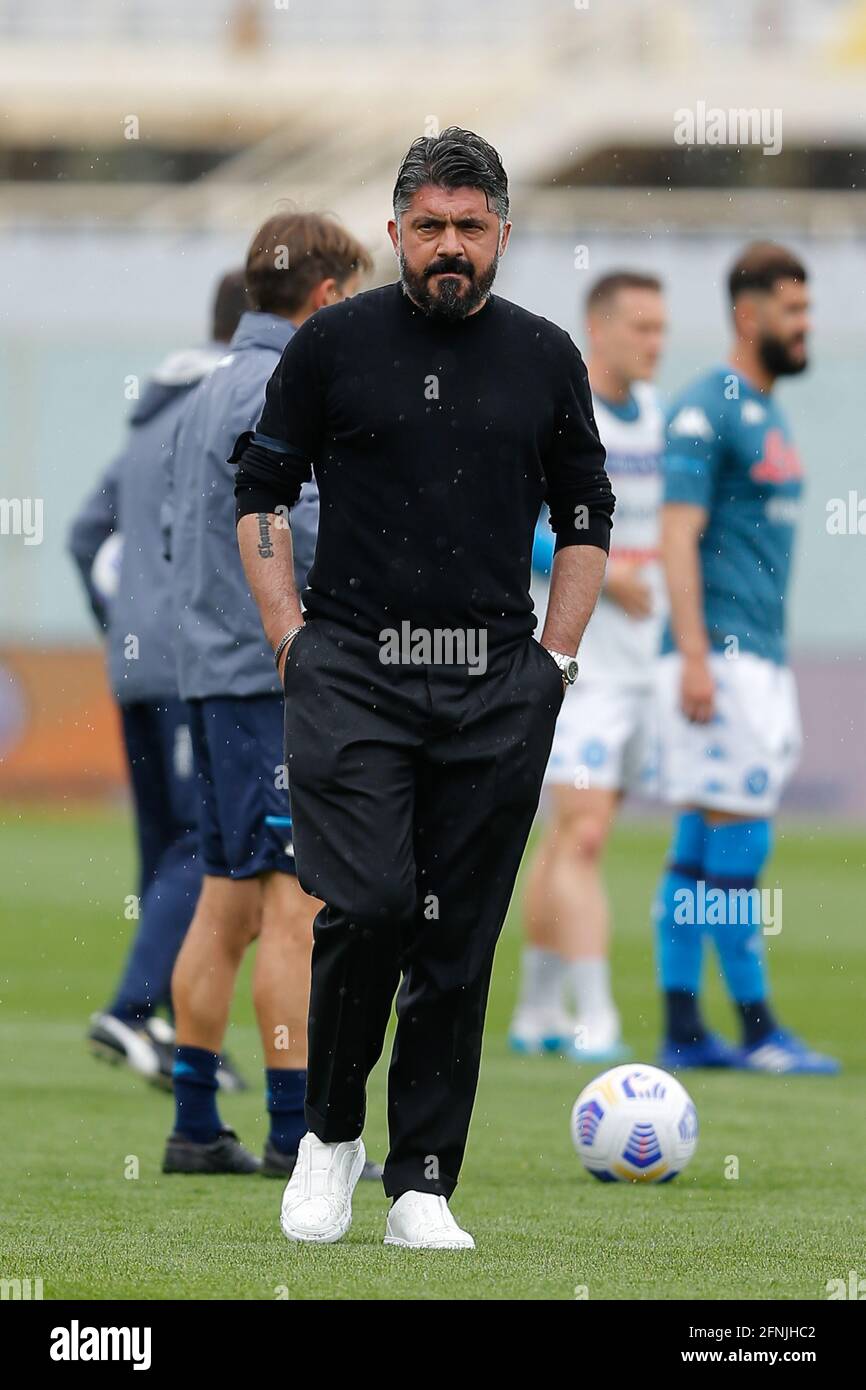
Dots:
pixel 413 790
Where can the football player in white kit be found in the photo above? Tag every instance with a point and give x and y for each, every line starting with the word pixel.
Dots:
pixel 604 743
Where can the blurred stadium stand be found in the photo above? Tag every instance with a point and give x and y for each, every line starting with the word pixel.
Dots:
pixel 319 100
pixel 112 244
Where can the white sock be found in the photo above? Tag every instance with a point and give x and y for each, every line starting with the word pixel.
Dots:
pixel 541 979
pixel 590 978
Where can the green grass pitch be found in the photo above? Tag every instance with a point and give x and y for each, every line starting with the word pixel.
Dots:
pixel 69 1215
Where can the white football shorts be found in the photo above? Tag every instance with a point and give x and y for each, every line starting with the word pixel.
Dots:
pixel 605 738
pixel 740 761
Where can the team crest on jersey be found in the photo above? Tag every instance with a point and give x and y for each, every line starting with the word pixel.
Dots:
pixel 756 781
pixel 780 462
pixel 692 422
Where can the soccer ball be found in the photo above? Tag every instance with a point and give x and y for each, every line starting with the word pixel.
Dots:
pixel 634 1123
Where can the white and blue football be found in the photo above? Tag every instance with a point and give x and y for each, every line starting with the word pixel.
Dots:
pixel 634 1123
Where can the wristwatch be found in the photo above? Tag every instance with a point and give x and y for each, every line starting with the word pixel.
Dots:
pixel 567 665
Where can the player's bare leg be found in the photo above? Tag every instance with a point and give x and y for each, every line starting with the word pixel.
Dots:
pixel 227 919
pixel 281 995
pixel 541 1022
pixel 577 892
pixel 568 923
pixel 281 978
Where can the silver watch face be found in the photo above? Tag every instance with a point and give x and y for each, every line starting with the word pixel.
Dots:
pixel 567 666
pixel 569 671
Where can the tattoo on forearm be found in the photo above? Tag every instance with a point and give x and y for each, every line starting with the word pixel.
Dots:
pixel 266 550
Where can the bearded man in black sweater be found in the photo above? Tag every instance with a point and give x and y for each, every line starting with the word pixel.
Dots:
pixel 436 418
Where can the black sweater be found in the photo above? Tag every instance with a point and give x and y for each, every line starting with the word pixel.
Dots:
pixel 433 445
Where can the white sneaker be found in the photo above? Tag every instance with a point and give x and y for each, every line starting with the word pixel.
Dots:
pixel 597 1039
pixel 317 1202
pixel 422 1221
pixel 540 1030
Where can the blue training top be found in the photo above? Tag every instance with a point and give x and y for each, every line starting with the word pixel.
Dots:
pixel 728 449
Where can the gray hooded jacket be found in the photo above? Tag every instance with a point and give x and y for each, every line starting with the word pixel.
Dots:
pixel 221 648
pixel 138 620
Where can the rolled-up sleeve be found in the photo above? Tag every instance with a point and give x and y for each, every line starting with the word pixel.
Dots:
pixel 278 457
pixel 578 490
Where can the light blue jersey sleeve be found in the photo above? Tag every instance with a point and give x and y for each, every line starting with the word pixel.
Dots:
pixel 694 443
pixel 543 545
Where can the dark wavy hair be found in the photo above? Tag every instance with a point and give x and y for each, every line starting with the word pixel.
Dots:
pixel 761 265
pixel 455 159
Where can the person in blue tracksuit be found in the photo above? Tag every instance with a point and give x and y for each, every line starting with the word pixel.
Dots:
pixel 115 537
